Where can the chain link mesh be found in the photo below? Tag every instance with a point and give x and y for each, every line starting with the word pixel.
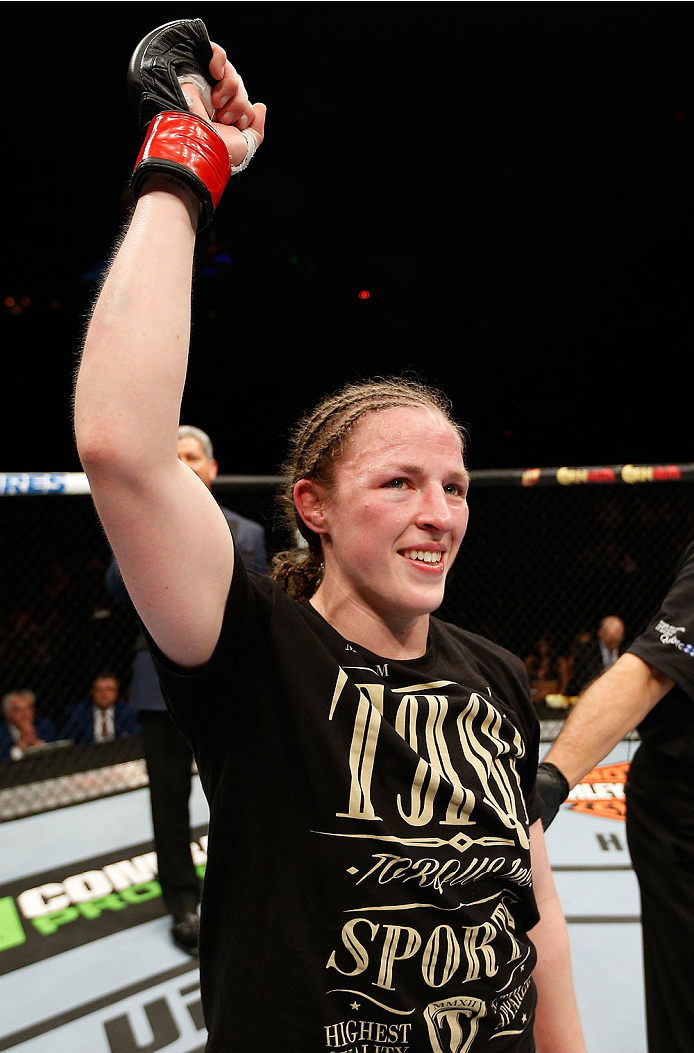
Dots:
pixel 542 561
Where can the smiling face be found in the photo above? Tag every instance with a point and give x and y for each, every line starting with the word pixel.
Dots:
pixel 392 526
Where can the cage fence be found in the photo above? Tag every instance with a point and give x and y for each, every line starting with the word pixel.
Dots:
pixel 548 554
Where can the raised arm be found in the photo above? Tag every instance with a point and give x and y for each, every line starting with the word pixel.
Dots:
pixel 169 536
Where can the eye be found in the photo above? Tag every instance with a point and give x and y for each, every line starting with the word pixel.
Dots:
pixel 396 484
pixel 455 490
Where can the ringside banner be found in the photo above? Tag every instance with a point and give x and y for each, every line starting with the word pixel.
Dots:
pixel 55 911
pixel 22 484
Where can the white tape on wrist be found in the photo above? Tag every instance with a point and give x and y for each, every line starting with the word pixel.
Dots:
pixel 198 81
pixel 252 143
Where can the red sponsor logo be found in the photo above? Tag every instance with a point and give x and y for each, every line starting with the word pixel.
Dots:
pixel 648 473
pixel 601 475
pixel 667 471
pixel 530 476
pixel 573 476
pixel 601 792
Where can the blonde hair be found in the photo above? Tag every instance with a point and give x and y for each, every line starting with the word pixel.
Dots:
pixel 316 447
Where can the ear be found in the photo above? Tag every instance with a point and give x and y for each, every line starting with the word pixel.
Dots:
pixel 214 468
pixel 308 501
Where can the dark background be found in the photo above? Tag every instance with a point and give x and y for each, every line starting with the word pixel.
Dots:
pixel 509 181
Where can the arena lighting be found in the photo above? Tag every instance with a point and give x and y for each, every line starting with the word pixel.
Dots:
pixel 364 294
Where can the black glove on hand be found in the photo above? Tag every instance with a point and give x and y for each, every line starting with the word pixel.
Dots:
pixel 177 143
pixel 553 789
pixel 165 54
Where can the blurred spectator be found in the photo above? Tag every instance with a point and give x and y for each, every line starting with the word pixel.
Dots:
pixel 543 666
pixel 20 728
pixel 595 654
pixel 195 449
pixel 103 716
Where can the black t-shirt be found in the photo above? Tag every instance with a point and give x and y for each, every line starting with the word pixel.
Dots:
pixel 667 644
pixel 368 885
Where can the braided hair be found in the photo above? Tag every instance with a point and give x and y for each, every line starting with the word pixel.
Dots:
pixel 316 446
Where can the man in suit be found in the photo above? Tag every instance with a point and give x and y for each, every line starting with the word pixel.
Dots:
pixel 103 716
pixel 597 654
pixel 167 753
pixel 20 728
pixel 195 450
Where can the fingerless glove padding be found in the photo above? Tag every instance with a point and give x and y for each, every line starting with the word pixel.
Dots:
pixel 160 59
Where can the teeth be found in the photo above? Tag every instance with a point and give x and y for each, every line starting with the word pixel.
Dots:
pixel 426 557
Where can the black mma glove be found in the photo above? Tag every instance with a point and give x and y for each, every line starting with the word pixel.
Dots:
pixel 157 62
pixel 178 143
pixel 553 789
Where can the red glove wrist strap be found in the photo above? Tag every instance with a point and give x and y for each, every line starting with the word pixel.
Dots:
pixel 187 146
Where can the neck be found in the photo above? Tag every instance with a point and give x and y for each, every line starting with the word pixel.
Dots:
pixel 361 625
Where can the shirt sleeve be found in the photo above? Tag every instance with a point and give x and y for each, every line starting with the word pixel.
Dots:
pixel 668 642
pixel 207 702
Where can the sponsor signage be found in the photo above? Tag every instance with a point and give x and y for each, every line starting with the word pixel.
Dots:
pixel 57 911
pixel 531 476
pixel 626 473
pixel 163 1013
pixel 571 476
pixel 647 473
pixel 21 484
pixel 600 793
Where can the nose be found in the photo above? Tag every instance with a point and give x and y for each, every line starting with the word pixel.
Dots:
pixel 435 511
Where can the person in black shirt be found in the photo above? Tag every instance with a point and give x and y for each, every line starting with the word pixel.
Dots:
pixel 376 875
pixel 650 687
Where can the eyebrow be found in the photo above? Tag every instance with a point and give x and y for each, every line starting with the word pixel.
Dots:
pixel 415 469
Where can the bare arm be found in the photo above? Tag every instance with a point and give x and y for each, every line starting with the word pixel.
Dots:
pixel 609 708
pixel 557 1027
pixel 170 538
